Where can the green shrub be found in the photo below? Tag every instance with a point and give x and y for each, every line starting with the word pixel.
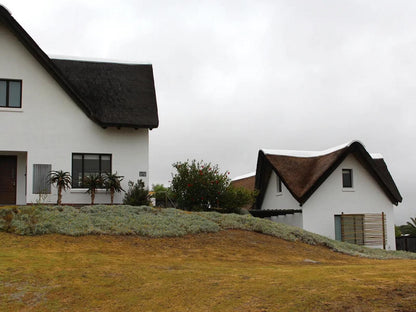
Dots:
pixel 235 198
pixel 163 195
pixel 136 195
pixel 197 185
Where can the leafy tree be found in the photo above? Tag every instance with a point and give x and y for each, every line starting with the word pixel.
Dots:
pixel 234 198
pixel 137 194
pixel 62 180
pixel 112 183
pixel 397 231
pixel 163 195
pixel 198 185
pixel 92 183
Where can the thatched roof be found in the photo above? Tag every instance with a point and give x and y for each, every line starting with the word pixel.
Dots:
pixel 303 173
pixel 112 95
pixel 117 94
pixel 246 181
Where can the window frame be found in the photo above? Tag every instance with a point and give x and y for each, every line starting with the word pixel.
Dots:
pixel 73 186
pixel 350 186
pixel 8 92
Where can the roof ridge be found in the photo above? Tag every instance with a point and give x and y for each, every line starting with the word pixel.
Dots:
pixel 307 154
pixel 243 176
pixel 95 60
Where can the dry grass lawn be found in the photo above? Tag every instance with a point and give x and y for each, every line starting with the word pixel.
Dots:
pixel 225 271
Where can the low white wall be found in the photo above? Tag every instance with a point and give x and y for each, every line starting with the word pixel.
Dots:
pixel 290 219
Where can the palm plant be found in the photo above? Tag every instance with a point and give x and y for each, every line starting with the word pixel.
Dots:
pixel 92 183
pixel 413 224
pixel 112 183
pixel 62 180
pixel 411 227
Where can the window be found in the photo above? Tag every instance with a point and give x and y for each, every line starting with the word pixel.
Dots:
pixel 350 228
pixel 10 93
pixel 88 164
pixel 347 178
pixel 278 185
pixel 40 179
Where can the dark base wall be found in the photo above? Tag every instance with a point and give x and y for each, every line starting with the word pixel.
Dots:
pixel 406 243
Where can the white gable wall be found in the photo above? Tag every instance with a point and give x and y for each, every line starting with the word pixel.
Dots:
pixel 330 200
pixel 283 200
pixel 50 127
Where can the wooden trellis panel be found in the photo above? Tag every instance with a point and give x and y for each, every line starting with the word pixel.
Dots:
pixel 364 229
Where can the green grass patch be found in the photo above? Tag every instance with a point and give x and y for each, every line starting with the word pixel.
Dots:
pixel 154 222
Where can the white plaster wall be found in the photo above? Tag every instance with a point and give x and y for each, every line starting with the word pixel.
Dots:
pixel 283 200
pixel 330 200
pixel 50 126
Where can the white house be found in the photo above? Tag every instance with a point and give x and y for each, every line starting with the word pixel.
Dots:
pixel 77 116
pixel 343 193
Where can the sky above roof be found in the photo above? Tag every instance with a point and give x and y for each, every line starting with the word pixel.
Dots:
pixel 236 76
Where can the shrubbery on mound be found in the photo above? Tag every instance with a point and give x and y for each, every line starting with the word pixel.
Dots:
pixel 154 222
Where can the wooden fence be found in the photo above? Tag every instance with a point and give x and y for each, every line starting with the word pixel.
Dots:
pixel 406 243
pixel 364 229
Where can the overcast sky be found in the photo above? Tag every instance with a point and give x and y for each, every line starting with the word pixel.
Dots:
pixel 236 76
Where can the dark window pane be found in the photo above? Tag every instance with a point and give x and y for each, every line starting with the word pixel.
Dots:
pixel 14 93
pixel 3 93
pixel 105 164
pixel 346 178
pixel 338 231
pixel 76 170
pixel 88 164
pixel 91 165
pixel 279 184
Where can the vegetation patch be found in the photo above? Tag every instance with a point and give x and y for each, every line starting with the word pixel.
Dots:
pixel 153 222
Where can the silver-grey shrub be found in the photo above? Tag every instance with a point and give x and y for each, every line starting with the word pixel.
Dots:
pixel 169 222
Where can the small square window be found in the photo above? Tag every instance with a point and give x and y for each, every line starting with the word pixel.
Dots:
pixel 10 93
pixel 347 178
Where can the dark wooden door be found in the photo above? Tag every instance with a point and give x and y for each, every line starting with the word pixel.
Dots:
pixel 8 168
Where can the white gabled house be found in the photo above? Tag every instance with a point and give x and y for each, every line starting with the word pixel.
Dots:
pixel 343 193
pixel 77 116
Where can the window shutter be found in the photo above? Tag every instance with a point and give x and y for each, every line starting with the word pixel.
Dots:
pixel 40 178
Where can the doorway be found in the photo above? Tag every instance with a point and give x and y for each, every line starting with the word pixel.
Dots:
pixel 8 169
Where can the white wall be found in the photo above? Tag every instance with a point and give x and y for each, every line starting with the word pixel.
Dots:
pixel 50 126
pixel 283 200
pixel 330 200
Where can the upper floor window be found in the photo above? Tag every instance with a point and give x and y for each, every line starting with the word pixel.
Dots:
pixel 278 185
pixel 88 164
pixel 10 93
pixel 347 178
